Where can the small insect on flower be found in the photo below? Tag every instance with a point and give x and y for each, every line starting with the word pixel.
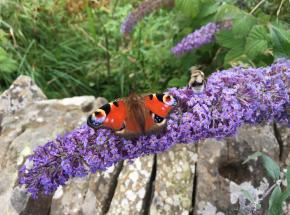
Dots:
pixel 134 115
pixel 197 80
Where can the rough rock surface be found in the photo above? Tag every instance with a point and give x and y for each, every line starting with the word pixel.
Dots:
pixel 87 195
pixel 90 195
pixel 283 138
pixel 204 178
pixel 133 182
pixel 174 181
pixel 220 164
pixel 29 120
pixel 22 92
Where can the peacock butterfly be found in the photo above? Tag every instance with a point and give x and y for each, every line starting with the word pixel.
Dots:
pixel 134 115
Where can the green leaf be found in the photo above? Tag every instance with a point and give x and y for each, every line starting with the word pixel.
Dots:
pixel 257 41
pixel 253 157
pixel 234 54
pixel 188 7
pixel 242 26
pixel 248 196
pixel 271 166
pixel 178 82
pixel 259 32
pixel 226 39
pixel 206 9
pixel 285 195
pixel 281 41
pixel 255 47
pixel 275 202
pixel 226 12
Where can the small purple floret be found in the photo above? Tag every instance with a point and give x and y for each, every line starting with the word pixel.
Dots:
pixel 231 98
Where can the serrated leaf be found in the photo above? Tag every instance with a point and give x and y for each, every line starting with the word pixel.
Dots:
pixel 188 7
pixel 207 8
pixel 253 157
pixel 226 39
pixel 248 196
pixel 259 32
pixel 226 12
pixel 275 202
pixel 281 41
pixel 242 26
pixel 255 47
pixel 271 166
pixel 257 41
pixel 235 53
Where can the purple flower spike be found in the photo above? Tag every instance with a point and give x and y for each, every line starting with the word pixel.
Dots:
pixel 144 9
pixel 231 98
pixel 200 37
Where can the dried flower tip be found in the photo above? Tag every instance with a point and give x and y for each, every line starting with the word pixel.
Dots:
pixel 144 9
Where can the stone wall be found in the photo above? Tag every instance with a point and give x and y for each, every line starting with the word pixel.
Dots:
pixel 201 178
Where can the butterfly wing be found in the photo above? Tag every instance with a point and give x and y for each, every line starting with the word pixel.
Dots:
pixel 160 105
pixel 111 115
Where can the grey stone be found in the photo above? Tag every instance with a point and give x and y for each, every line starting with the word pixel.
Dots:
pixel 90 195
pixel 283 136
pixel 220 163
pixel 132 185
pixel 69 199
pixel 174 181
pixel 28 120
pixel 22 92
pixel 19 199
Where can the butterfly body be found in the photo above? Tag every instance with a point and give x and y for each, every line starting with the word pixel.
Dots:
pixel 134 115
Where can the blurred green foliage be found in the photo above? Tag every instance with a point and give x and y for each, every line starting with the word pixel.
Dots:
pixel 83 52
pixel 75 47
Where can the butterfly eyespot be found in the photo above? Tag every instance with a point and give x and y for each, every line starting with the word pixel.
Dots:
pixel 158 119
pixel 97 118
pixel 98 114
pixel 169 100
